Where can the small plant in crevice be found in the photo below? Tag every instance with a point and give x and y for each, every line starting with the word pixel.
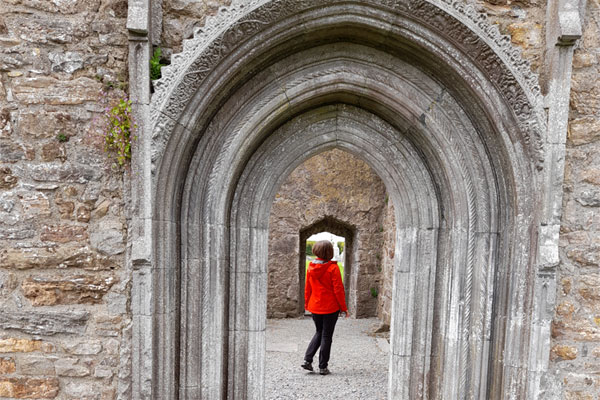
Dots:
pixel 156 64
pixel 119 130
pixel 374 292
pixel 61 137
pixel 114 129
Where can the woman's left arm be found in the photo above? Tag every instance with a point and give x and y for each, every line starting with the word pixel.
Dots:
pixel 338 288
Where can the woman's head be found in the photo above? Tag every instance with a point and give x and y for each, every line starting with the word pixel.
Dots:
pixel 323 249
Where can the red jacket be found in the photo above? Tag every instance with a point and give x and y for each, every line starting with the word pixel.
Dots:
pixel 324 290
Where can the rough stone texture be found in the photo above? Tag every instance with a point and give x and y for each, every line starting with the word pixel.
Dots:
pixel 42 291
pixel 56 197
pixel 333 184
pixel 576 325
pixel 384 307
pixel 58 59
pixel 29 388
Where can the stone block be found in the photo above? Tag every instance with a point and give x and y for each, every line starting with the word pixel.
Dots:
pixel 83 348
pixel 62 257
pixel 12 152
pixel 62 7
pixel 46 90
pixel 37 365
pixel 7 365
pixel 83 214
pixel 63 173
pixel 561 352
pixel 583 131
pixel 7 179
pixel 587 256
pixel 108 238
pixel 54 151
pixel 63 233
pixel 48 29
pixel 72 61
pixel 46 124
pixel 44 323
pixel 34 203
pixel 72 367
pixel 581 330
pixel 18 232
pixel 589 289
pixel 14 345
pixel 108 326
pixel 47 291
pixel 82 391
pixel 29 388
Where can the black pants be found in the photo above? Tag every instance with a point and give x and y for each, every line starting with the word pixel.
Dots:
pixel 325 324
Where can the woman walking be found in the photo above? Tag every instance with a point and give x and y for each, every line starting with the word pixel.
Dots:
pixel 325 298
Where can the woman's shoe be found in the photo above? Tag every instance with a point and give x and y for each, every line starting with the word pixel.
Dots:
pixel 308 366
pixel 324 371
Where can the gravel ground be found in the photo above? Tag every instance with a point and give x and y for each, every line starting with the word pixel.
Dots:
pixel 358 363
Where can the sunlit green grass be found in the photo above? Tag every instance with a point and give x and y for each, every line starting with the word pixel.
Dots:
pixel 339 264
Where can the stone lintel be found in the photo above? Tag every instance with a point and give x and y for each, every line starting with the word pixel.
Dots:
pixel 138 16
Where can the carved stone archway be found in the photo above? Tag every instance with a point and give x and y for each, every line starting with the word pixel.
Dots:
pixel 438 104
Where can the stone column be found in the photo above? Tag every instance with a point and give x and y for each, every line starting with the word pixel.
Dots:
pixel 563 29
pixel 142 18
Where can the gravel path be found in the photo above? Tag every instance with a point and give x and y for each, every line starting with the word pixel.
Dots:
pixel 358 364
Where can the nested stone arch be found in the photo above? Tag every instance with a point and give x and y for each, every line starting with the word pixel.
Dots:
pixel 436 105
pixel 341 228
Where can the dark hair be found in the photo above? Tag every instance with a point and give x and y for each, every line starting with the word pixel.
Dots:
pixel 323 249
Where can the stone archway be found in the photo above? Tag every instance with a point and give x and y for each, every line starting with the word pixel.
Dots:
pixel 452 126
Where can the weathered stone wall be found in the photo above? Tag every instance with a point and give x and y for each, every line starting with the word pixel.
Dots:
pixel 334 184
pixel 63 282
pixel 181 18
pixel 576 329
pixel 384 307
pixel 63 277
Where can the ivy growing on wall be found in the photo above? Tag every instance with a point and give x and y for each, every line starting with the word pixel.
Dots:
pixel 118 134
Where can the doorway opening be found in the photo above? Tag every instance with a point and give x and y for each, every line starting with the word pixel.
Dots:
pixel 342 237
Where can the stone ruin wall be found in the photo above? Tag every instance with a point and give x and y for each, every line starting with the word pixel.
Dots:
pixel 64 285
pixel 62 218
pixel 576 328
pixel 334 184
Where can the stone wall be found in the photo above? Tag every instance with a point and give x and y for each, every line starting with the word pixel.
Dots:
pixel 576 329
pixel 63 282
pixel 575 345
pixel 332 184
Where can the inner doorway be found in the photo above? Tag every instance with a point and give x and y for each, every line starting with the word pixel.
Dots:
pixel 341 236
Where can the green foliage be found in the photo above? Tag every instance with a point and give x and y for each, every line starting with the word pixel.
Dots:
pixel 61 137
pixel 156 64
pixel 340 246
pixel 309 246
pixel 374 292
pixel 118 130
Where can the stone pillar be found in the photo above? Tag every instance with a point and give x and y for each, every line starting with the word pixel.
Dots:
pixel 142 17
pixel 563 29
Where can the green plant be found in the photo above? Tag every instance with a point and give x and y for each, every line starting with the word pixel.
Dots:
pixel 341 246
pixel 156 64
pixel 61 137
pixel 309 246
pixel 118 130
pixel 374 292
